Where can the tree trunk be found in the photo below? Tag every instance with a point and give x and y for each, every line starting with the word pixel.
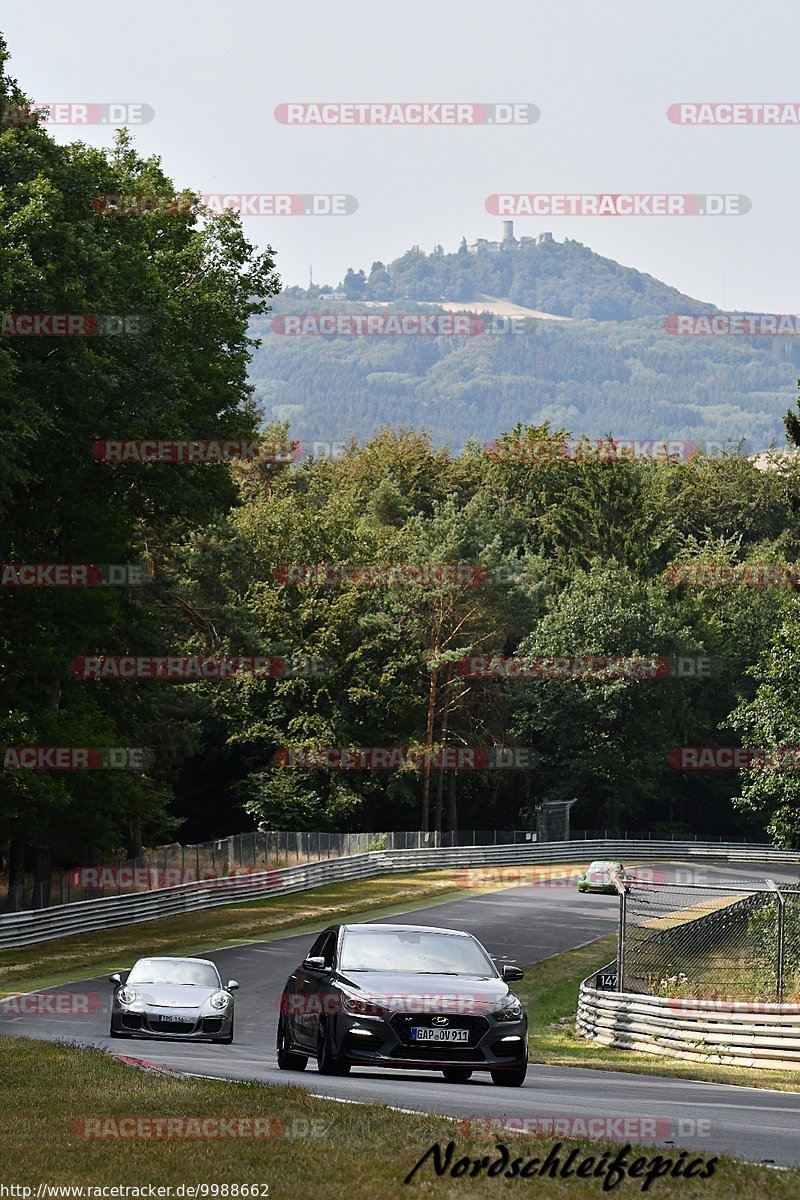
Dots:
pixel 16 873
pixel 440 782
pixel 452 808
pixel 426 764
pixel 44 867
pixel 134 846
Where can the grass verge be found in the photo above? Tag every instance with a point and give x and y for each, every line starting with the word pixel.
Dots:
pixel 315 1147
pixel 550 993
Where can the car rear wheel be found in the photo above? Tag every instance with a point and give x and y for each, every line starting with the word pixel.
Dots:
pixel 287 1060
pixel 510 1076
pixel 457 1074
pixel 327 1062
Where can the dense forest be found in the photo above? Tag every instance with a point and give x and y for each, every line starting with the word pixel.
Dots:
pixel 632 377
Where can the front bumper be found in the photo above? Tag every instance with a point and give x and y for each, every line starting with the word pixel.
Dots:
pixel 189 1025
pixel 387 1042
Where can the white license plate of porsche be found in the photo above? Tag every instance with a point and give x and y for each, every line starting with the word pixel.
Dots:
pixel 423 1034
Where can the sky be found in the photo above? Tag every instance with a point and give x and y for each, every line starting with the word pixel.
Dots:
pixel 602 76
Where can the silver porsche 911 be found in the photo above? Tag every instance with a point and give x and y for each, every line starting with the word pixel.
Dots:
pixel 173 998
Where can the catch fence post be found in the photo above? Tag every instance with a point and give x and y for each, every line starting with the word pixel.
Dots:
pixel 781 945
pixel 623 904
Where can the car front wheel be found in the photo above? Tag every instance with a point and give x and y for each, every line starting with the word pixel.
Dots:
pixel 510 1076
pixel 327 1062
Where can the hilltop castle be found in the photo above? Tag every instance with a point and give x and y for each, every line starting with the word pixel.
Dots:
pixel 509 242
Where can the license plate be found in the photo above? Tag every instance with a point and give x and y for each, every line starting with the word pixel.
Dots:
pixel 423 1034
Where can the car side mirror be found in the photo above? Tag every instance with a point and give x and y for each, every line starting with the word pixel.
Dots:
pixel 115 979
pixel 231 985
pixel 510 973
pixel 314 963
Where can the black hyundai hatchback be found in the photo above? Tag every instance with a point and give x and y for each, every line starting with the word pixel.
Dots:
pixel 403 996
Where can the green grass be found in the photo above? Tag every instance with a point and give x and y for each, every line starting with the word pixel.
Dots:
pixel 550 993
pixel 362 1152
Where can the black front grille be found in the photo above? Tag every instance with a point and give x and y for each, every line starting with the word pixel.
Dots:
pixel 439 1052
pixel 402 1024
pixel 170 1025
pixel 212 1024
pixel 131 1021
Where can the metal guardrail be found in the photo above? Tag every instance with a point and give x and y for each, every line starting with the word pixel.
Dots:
pixel 26 928
pixel 764 1035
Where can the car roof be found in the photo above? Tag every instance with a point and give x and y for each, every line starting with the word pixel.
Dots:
pixel 387 928
pixel 159 958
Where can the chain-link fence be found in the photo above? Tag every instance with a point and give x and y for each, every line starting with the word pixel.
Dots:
pixel 169 866
pixel 721 942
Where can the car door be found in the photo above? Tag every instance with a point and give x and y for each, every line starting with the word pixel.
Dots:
pixel 313 986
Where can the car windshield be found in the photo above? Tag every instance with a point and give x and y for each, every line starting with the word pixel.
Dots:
pixel 417 951
pixel 174 971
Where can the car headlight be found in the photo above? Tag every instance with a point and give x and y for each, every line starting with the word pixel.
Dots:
pixel 362 1006
pixel 512 1010
pixel 219 1000
pixel 126 995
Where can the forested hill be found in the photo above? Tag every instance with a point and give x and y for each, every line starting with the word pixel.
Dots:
pixel 564 278
pixel 605 361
